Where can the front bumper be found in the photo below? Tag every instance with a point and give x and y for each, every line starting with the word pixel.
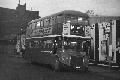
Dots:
pixel 76 62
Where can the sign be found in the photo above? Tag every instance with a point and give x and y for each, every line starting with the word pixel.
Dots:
pixel 87 31
pixel 42 31
pixel 66 29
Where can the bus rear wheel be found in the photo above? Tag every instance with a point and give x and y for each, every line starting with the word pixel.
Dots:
pixel 56 65
pixel 29 60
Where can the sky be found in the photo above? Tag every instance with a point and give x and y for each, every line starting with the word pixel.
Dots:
pixel 48 7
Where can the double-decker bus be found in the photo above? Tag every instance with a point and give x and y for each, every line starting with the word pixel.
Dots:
pixel 59 40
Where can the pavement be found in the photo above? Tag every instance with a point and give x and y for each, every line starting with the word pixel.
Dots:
pixel 105 71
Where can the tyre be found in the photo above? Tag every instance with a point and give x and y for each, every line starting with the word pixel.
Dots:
pixel 56 65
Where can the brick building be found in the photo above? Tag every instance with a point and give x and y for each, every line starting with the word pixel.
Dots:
pixel 12 21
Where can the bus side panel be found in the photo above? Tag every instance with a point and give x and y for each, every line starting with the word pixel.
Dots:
pixel 47 50
pixel 28 54
pixel 38 56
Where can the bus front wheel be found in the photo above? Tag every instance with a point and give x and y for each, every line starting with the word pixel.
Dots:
pixel 84 69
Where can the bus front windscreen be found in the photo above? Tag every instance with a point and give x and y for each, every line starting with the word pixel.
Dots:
pixel 72 43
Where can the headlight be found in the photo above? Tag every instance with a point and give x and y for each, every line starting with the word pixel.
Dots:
pixel 70 58
pixel 83 60
pixel 78 67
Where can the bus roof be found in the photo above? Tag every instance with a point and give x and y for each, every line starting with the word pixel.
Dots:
pixel 65 12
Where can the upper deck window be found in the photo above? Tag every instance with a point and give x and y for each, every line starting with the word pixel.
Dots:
pixel 38 25
pixel 33 25
pixel 77 30
pixel 42 23
pixel 71 18
pixel 52 20
pixel 59 19
pixel 46 22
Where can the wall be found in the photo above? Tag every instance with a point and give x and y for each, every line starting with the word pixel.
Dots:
pixel 11 21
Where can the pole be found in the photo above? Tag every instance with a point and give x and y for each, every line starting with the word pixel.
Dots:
pixel 19 1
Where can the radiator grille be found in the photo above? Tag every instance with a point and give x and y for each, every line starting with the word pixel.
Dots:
pixel 76 61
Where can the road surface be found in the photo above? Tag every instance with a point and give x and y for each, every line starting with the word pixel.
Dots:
pixel 16 68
